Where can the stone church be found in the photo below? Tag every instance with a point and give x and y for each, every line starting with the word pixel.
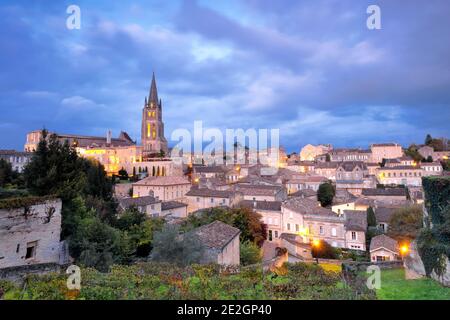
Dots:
pixel 152 132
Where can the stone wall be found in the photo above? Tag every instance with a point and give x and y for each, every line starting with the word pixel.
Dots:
pixel 19 273
pixel 415 269
pixel 31 234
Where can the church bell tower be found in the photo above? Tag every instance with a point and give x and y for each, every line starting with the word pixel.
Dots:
pixel 152 133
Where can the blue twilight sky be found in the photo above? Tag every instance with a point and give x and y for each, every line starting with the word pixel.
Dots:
pixel 310 68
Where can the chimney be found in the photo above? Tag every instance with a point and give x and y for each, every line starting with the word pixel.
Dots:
pixel 108 137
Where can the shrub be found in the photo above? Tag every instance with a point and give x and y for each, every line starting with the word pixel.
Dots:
pixel 250 253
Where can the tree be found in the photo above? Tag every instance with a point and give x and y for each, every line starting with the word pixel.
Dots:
pixel 413 152
pixel 371 219
pixel 327 157
pixel 325 194
pixel 245 219
pixel 6 172
pixel 428 139
pixel 446 165
pixel 429 159
pixel 250 253
pixel 172 247
pixel 123 174
pixel 161 153
pixel 406 223
pixel 437 145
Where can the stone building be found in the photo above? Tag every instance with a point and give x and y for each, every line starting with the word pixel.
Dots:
pixel 30 232
pixel 383 248
pixel 17 159
pixel 221 243
pixel 203 198
pixel 165 188
pixel 310 152
pixel 431 169
pixel 382 151
pixel 400 175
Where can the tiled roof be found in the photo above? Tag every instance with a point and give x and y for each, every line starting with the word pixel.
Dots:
pixel 400 168
pixel 90 141
pixel 304 193
pixel 384 214
pixel 383 241
pixel 216 235
pixel 384 192
pixel 262 205
pixel 327 165
pixel 355 220
pixel 349 166
pixel 167 205
pixel 138 202
pixel 209 169
pixel 306 206
pixel 258 190
pixel 308 179
pixel 162 181
pixel 205 192
pixel 384 145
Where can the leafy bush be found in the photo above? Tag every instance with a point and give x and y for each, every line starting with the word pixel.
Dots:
pixel 406 223
pixel 170 246
pixel 250 253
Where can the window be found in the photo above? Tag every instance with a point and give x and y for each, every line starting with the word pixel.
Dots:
pixel 276 234
pixel 333 232
pixel 18 248
pixel 353 235
pixel 321 230
pixel 198 199
pixel 31 250
pixel 297 228
pixel 270 220
pixel 212 200
pixel 290 215
pixel 289 227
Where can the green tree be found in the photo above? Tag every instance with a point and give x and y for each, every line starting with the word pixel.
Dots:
pixel 123 174
pixel 413 152
pixel 172 247
pixel 250 253
pixel 371 219
pixel 325 194
pixel 245 219
pixel 428 139
pixel 406 223
pixel 6 172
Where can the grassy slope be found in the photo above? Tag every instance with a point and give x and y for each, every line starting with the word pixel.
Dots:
pixel 395 287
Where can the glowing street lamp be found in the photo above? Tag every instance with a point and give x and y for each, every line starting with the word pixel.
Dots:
pixel 404 249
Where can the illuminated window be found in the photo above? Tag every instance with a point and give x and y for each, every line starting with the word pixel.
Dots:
pixel 148 130
pixel 154 133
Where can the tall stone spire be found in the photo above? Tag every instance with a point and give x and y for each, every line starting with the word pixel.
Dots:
pixel 153 97
pixel 152 132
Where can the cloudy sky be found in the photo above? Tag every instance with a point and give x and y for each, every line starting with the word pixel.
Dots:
pixel 310 68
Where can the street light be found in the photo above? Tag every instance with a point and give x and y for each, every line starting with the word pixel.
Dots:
pixel 316 244
pixel 404 249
